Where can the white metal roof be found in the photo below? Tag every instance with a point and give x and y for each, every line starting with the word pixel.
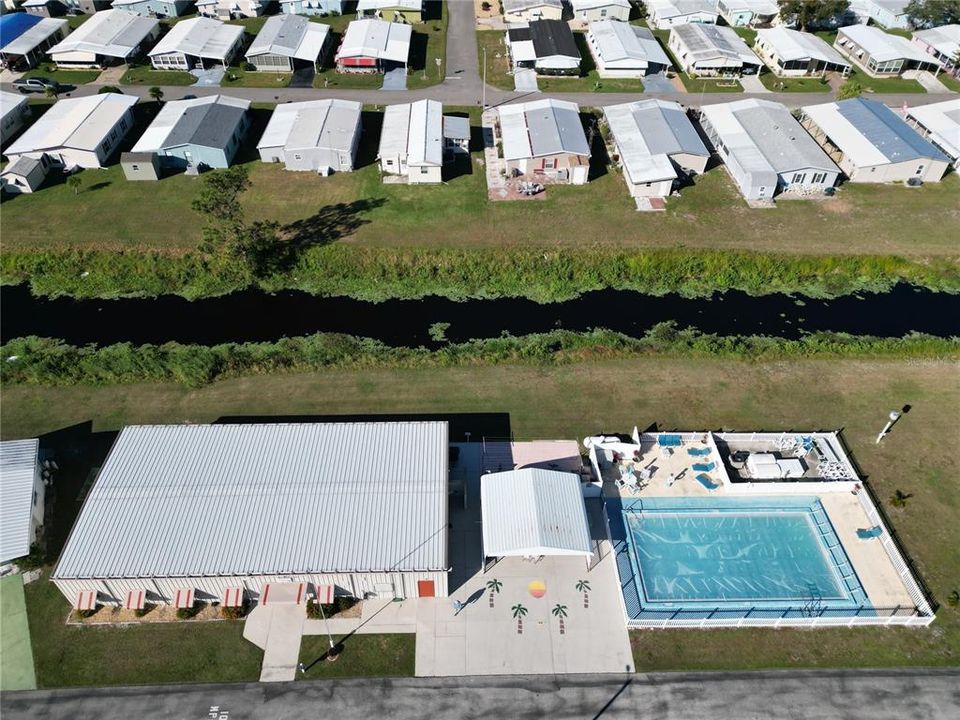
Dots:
pixel 541 128
pixel 290 35
pixel 30 38
pixel 591 4
pixel 414 130
pixel 80 123
pixel 757 7
pixel 677 8
pixel 313 124
pixel 514 6
pixel 368 5
pixel 882 46
pixel 239 500
pixel 793 45
pixel 621 44
pixel 114 33
pixel 18 467
pixel 945 39
pixel 533 512
pixel 714 44
pixel 10 101
pixel 647 133
pixel 378 39
pixel 942 120
pixel 171 115
pixel 765 138
pixel 200 37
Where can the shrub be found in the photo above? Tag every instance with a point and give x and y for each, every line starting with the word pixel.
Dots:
pixel 249 67
pixel 485 6
pixel 140 612
pixel 234 613
pixel 81 614
pixel 36 558
pixel 187 613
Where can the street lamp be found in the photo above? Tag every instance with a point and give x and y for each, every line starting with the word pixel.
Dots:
pixel 332 655
pixel 893 417
pixel 484 79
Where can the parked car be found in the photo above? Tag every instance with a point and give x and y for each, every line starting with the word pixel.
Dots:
pixel 35 84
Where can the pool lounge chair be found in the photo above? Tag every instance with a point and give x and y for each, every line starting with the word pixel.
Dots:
pixel 699 452
pixel 704 467
pixel 705 480
pixel 870 533
pixel 669 441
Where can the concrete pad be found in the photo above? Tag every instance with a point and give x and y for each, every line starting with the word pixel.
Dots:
pixel 752 84
pixel 208 78
pixel 395 79
pixel 282 652
pixel 658 83
pixel 525 80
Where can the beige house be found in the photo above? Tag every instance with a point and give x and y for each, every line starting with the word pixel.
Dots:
pixel 545 140
pixel 527 10
pixel 411 142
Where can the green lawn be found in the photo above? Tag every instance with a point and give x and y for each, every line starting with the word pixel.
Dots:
pixel 361 655
pixel 64 77
pixel 893 85
pixel 950 81
pixel 16 657
pixel 917 458
pixel 797 84
pixel 75 21
pixel 236 76
pixel 146 75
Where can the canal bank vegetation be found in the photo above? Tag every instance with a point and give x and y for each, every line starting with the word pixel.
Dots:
pixel 45 361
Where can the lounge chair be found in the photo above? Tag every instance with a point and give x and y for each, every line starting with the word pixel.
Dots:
pixel 704 467
pixel 699 452
pixel 705 480
pixel 669 440
pixel 869 533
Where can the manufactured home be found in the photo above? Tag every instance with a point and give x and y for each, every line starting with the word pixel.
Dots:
pixel 545 141
pixel 318 136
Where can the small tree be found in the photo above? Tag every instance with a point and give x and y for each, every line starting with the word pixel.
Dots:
pixel 75 182
pixel 109 89
pixel 953 599
pixel 584 587
pixel 899 499
pixel 849 89
pixel 518 612
pixel 494 586
pixel 156 93
pixel 560 612
pixel 51 91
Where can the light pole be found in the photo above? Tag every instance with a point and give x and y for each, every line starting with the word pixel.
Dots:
pixel 893 417
pixel 332 655
pixel 439 62
pixel 484 80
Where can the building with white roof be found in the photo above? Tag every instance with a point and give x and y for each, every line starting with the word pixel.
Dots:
pixel 871 143
pixel 25 38
pixel 765 149
pixel 655 144
pixel 548 46
pixel 24 175
pixel 203 132
pixel 83 131
pixel 940 124
pixel 592 10
pixel 155 8
pixel 408 11
pixel 711 50
pixel 21 497
pixel 371 46
pixel 623 50
pixel 881 54
pixel 790 53
pixel 943 43
pixel 353 509
pixel 230 9
pixel 14 112
pixel 318 136
pixel 109 37
pixel 411 141
pixel 545 139
pixel 197 43
pixel 289 42
pixel 527 10
pixel 888 13
pixel 533 512
pixel 664 14
pixel 744 13
pixel 312 7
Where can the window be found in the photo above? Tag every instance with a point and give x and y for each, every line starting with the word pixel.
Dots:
pixel 424 171
pixel 798 178
pixel 105 146
pixel 550 164
pixel 819 178
pixel 298 157
pixel 389 162
pixel 919 169
pixel 135 168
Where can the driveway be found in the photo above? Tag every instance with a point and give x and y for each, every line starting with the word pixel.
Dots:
pixel 525 80
pixel 931 83
pixel 395 79
pixel 752 84
pixel 657 83
pixel 208 78
pixel 302 77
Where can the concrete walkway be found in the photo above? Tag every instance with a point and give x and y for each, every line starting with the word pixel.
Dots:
pixel 931 83
pixel 752 84
pixel 277 630
pixel 376 617
pixel 525 80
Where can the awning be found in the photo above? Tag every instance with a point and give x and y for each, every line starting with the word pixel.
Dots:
pixel 136 600
pixel 86 600
pixel 183 598
pixel 232 597
pixel 283 593
pixel 323 594
pixel 358 62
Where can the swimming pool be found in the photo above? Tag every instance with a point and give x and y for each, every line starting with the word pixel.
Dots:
pixel 734 555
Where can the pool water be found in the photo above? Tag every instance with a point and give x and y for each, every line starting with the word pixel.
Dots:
pixel 772 552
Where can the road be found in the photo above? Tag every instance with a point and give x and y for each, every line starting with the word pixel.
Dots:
pixel 893 694
pixel 463 86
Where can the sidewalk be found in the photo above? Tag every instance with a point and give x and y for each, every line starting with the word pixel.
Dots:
pixel 376 617
pixel 277 629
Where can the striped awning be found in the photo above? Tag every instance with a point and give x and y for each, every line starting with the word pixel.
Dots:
pixel 86 600
pixel 183 598
pixel 136 600
pixel 323 594
pixel 284 593
pixel 232 597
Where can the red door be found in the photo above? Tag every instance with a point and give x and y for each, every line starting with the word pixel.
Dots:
pixel 425 588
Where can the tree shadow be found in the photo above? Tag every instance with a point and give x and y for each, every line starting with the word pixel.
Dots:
pixel 417 59
pixel 460 165
pixel 247 152
pixel 599 160
pixel 371 124
pixel 100 185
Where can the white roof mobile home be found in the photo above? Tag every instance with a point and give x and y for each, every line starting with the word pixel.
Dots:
pixel 109 34
pixel 526 10
pixel 545 137
pixel 592 10
pixel 765 149
pixel 624 50
pixel 791 53
pixel 196 42
pixel 664 14
pixel 374 44
pixel 711 50
pixel 942 42
pixel 318 136
pixel 411 141
pixel 880 53
pixel 26 45
pixel 361 506
pixel 21 497
pixel 286 39
pixel 14 111
pixel 940 124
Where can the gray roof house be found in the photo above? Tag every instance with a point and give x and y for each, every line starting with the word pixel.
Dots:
pixel 289 42
pixel 204 132
pixel 881 54
pixel 544 139
pixel 21 497
pixel 14 111
pixel 623 50
pixel 711 50
pixel 545 45
pixel 318 136
pixel 765 149
pixel 871 143
pixel 355 509
pixel 197 43
pixel 155 8
pixel 24 175
pixel 789 53
pixel 109 37
pixel 655 144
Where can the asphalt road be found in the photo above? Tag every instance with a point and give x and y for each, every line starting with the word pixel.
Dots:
pixel 894 694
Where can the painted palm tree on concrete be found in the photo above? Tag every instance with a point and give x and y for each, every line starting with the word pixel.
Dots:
pixel 494 586
pixel 560 612
pixel 584 587
pixel 518 612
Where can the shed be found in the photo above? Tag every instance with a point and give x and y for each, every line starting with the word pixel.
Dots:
pixel 318 136
pixel 711 50
pixel 545 139
pixel 360 506
pixel 626 51
pixel 140 165
pixel 289 42
pixel 664 14
pixel 411 141
pixel 21 497
pixel 456 134
pixel 14 111
pixel 527 10
pixel 198 42
pixel 25 38
pixel 939 123
pixel 371 46
pixel 533 512
pixel 879 53
pixel 743 13
pixel 871 143
pixel 109 37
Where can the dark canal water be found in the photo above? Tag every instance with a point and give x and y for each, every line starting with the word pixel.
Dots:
pixel 257 316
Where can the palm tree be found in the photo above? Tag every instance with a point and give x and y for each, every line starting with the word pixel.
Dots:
pixel 493 586
pixel 518 612
pixel 899 498
pixel 74 181
pixel 156 93
pixel 584 587
pixel 50 91
pixel 560 611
